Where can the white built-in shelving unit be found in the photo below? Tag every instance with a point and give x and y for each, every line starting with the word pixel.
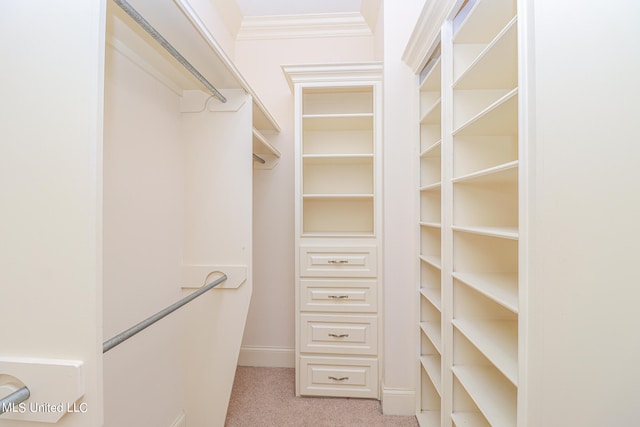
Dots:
pixel 338 229
pixel 469 231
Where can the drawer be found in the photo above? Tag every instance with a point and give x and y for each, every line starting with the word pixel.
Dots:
pixel 335 295
pixel 353 261
pixel 339 376
pixel 344 334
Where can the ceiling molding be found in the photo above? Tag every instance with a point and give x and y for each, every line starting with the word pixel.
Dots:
pixel 332 73
pixel 427 32
pixel 304 26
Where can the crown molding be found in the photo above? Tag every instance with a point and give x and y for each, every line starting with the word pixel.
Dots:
pixel 427 32
pixel 299 26
pixel 332 73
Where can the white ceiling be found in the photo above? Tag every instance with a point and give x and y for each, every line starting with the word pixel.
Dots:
pixel 297 7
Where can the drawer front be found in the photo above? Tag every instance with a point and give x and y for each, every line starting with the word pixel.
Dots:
pixel 339 376
pixel 338 261
pixel 342 334
pixel 338 295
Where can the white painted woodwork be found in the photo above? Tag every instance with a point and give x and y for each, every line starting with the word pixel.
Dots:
pixel 504 338
pixel 338 223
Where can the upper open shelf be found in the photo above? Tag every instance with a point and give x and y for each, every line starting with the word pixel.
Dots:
pixel 178 22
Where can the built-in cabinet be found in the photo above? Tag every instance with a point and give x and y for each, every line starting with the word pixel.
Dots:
pixel 468 289
pixel 338 187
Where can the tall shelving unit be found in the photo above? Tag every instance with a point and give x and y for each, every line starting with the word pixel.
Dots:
pixel 430 286
pixel 469 220
pixel 338 229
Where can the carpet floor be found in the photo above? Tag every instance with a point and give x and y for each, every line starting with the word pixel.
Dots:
pixel 265 397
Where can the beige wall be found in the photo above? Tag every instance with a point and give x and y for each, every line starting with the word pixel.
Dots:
pixel 143 234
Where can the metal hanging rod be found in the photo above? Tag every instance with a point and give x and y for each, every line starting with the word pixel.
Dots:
pixel 11 401
pixel 259 159
pixel 125 335
pixel 165 44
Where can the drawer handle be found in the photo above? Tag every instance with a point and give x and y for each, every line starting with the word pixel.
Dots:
pixel 338 296
pixel 339 335
pixel 338 379
pixel 338 261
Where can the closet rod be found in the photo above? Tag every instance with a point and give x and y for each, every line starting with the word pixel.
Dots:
pixel 165 44
pixel 258 158
pixel 9 402
pixel 125 335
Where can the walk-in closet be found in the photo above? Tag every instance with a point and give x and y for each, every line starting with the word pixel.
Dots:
pixel 244 213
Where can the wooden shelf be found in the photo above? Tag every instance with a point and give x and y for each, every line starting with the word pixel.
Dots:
pixel 499 287
pixel 506 172
pixel 497 340
pixel 432 113
pixel 431 224
pixel 501 232
pixel 433 150
pixel 494 396
pixel 433 332
pixel 469 419
pixel 431 365
pixel 433 80
pixel 434 261
pixel 434 296
pixel 498 118
pixel 356 121
pixel 338 196
pixel 431 187
pixel 429 418
pixel 333 159
pixel 496 66
pixel 483 21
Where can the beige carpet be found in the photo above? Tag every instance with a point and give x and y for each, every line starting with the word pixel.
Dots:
pixel 265 397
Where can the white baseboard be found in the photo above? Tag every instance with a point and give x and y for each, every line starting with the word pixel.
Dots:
pixel 273 357
pixel 180 421
pixel 398 401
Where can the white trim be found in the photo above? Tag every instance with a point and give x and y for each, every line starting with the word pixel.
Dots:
pixel 180 421
pixel 298 26
pixel 426 32
pixel 333 73
pixel 398 401
pixel 272 357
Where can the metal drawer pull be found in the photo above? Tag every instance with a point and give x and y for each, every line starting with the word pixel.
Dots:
pixel 338 379
pixel 338 261
pixel 338 296
pixel 339 336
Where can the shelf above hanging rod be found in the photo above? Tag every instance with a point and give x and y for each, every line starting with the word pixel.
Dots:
pixel 139 19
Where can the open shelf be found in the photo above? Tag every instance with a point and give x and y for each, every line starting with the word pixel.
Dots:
pixel 499 117
pixel 473 154
pixel 481 21
pixel 430 207
pixel 429 418
pixel 492 66
pixel 430 282
pixel 469 419
pixel 497 340
pixel 434 261
pixel 356 121
pixel 434 296
pixel 499 287
pixel 432 82
pixel 430 135
pixel 431 365
pixel 339 214
pixel 335 142
pixel 432 112
pixel 432 331
pixel 495 397
pixel 337 100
